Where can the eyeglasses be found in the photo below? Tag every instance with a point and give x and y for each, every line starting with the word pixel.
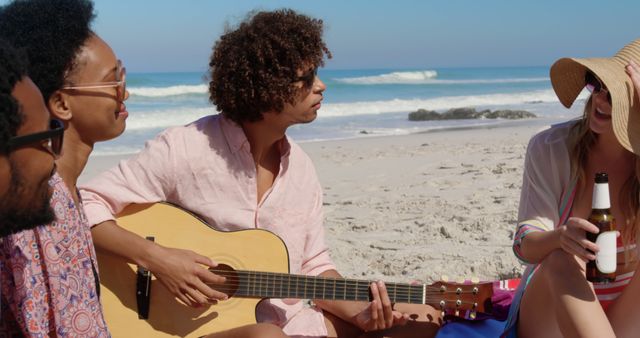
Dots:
pixel 51 139
pixel 307 78
pixel 120 83
pixel 595 86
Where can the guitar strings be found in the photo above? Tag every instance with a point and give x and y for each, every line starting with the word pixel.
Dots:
pixel 414 299
pixel 398 289
pixel 260 285
pixel 351 296
pixel 272 278
pixel 266 283
pixel 318 292
pixel 364 290
pixel 276 275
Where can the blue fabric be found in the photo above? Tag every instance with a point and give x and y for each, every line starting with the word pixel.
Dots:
pixel 472 329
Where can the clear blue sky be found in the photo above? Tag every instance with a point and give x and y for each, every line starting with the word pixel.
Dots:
pixel 163 35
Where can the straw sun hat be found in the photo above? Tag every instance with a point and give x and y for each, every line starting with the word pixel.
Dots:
pixel 568 80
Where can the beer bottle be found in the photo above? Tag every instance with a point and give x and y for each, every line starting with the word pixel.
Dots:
pixel 603 268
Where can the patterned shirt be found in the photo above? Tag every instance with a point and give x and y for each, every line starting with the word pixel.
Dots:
pixel 48 276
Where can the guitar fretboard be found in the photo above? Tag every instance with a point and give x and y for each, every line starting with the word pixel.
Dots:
pixel 277 285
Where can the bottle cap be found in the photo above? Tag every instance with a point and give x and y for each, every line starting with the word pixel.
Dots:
pixel 602 178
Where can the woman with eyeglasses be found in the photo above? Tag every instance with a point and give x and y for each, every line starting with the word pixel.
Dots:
pixel 49 278
pixel 555 299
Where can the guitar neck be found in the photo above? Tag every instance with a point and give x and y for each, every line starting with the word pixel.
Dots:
pixel 255 284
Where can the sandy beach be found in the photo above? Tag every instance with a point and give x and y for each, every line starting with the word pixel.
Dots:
pixel 419 206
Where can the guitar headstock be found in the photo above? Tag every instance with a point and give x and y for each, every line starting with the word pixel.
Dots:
pixel 463 298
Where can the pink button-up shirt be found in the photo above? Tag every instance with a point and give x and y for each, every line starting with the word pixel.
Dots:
pixel 48 278
pixel 207 167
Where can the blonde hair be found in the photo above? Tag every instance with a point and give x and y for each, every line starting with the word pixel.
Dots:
pixel 581 141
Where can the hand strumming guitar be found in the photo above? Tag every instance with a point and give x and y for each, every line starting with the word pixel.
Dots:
pixel 182 273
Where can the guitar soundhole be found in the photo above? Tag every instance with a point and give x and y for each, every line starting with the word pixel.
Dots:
pixel 232 282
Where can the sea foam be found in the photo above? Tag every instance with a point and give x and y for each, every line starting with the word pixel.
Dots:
pixel 427 77
pixel 168 91
pixel 439 103
pixel 163 118
pixel 392 78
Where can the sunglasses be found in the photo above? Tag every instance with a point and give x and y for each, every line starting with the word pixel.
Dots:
pixel 595 86
pixel 120 83
pixel 51 139
pixel 307 78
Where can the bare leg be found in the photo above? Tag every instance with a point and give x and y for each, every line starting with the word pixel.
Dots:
pixel 624 313
pixel 425 322
pixel 336 327
pixel 251 331
pixel 560 302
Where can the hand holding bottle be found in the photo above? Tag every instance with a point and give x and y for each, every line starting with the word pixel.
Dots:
pixel 603 268
pixel 573 239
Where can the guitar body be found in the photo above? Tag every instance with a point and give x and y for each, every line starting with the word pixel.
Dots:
pixel 256 266
pixel 253 249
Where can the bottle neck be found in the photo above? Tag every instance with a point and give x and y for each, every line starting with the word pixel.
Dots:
pixel 601 196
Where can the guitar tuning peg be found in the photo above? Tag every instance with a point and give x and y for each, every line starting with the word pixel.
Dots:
pixel 460 280
pixel 444 278
pixel 475 280
pixel 472 315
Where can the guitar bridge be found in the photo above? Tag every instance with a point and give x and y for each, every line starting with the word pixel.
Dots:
pixel 143 289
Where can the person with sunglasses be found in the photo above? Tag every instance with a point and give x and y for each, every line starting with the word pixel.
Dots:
pixel 29 143
pixel 555 299
pixel 49 278
pixel 239 170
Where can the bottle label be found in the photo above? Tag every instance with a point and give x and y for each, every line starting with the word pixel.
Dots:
pixel 601 196
pixel 606 258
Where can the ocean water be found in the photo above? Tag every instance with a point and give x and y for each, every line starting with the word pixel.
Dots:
pixel 357 103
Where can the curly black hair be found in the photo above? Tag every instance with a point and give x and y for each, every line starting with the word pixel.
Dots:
pixel 12 70
pixel 51 32
pixel 252 67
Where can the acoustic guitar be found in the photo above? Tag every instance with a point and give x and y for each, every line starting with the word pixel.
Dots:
pixel 256 266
